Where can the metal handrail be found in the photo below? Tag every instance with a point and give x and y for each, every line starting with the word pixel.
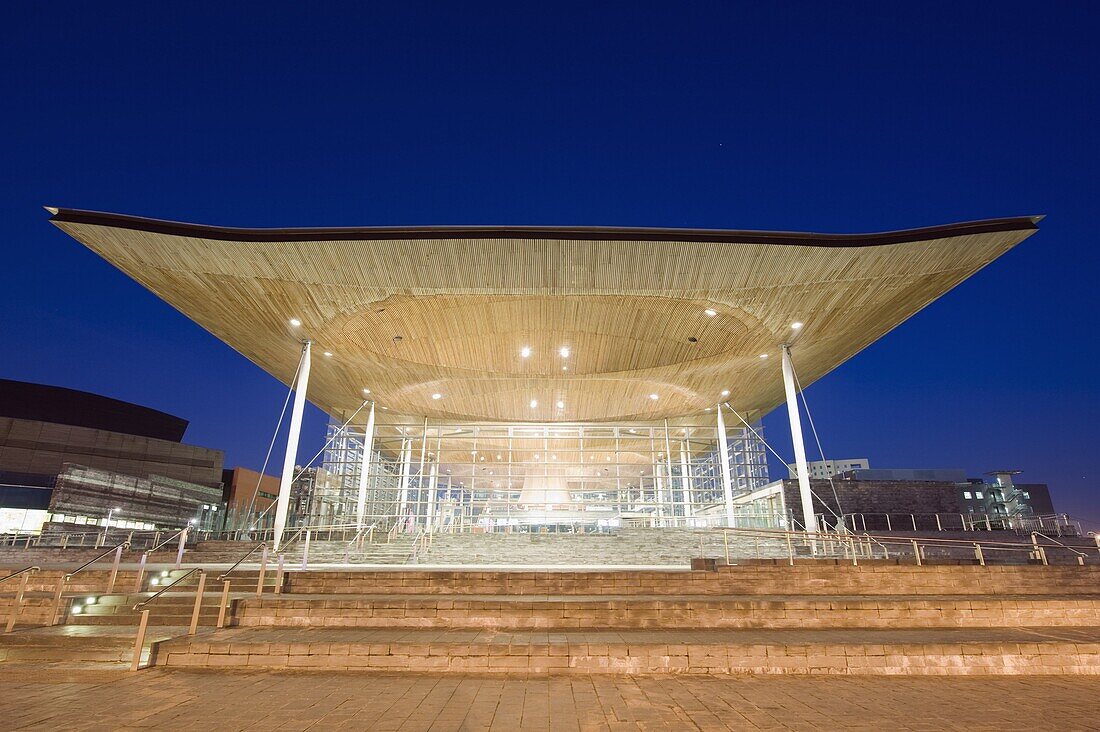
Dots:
pixel 250 552
pixel 21 571
pixel 811 536
pixel 166 541
pixel 141 605
pixel 69 575
pixel 1058 543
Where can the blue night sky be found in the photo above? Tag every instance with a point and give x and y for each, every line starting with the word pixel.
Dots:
pixel 837 117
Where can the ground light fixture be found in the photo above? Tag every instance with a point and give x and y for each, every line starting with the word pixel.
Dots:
pixel 525 352
pixel 328 354
pixel 763 355
pixel 561 404
pixel 654 397
pixel 796 325
pixel 710 312
pixel 725 392
pixel 534 403
pixel 294 322
pixel 437 396
pixel 564 351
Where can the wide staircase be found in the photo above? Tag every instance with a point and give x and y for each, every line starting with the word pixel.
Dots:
pixel 767 618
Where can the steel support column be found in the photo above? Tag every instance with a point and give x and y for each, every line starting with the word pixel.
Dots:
pixel 724 461
pixel 282 506
pixel 803 469
pixel 364 468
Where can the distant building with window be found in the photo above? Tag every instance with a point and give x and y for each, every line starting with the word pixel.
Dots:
pixel 71 458
pixel 825 469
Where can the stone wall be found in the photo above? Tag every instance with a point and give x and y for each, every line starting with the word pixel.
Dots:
pixel 896 497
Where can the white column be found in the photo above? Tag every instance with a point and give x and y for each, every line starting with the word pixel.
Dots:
pixel 403 483
pixel 364 468
pixel 282 506
pixel 420 497
pixel 431 496
pixel 724 459
pixel 668 473
pixel 809 518
pixel 685 480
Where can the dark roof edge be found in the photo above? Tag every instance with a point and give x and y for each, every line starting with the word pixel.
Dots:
pixel 583 233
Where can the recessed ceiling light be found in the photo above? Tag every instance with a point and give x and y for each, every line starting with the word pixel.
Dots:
pixel 328 353
pixel 498 456
pixel 295 322
pixel 711 313
pixel 763 355
pixel 725 392
pixel 796 325
pixel 654 397
pixel 564 351
pixel 366 391
pixel 525 351
pixel 386 408
pixel 707 409
pixel 633 431
pixel 564 368
pixel 561 404
pixel 534 403
pixel 437 396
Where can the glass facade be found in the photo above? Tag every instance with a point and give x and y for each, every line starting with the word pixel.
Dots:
pixel 451 475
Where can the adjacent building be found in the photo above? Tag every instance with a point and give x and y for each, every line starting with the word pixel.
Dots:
pixel 75 459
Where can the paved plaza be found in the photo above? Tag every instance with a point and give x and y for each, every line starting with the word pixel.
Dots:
pixel 321 701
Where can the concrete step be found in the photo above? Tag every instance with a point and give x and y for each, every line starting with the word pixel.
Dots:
pixel 811 578
pixel 518 612
pixel 76 647
pixel 1001 651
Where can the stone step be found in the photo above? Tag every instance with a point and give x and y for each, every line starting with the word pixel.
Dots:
pixel 516 612
pixel 816 578
pixel 76 648
pixel 642 652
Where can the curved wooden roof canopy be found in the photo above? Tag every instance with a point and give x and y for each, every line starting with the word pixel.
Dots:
pixel 412 312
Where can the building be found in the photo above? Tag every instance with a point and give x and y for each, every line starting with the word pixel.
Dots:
pixel 246 493
pixel 824 469
pixel 892 499
pixel 542 377
pixel 71 458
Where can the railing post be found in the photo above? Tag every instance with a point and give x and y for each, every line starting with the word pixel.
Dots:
pixel 1043 556
pixel 114 569
pixel 198 604
pixel 988 527
pixel 978 554
pixel 263 571
pixel 725 544
pixel 852 546
pixel 914 517
pixel 179 552
pixel 224 603
pixel 939 526
pixel 305 550
pixel 64 541
pixel 57 599
pixel 916 552
pixel 139 640
pixel 17 601
pixel 790 549
pixel 279 576
pixel 141 570
pixel 889 526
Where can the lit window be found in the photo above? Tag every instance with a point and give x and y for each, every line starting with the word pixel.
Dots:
pixel 1027 495
pixel 966 495
pixel 978 494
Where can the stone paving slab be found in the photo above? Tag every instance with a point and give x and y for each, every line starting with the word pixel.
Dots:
pixel 256 700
